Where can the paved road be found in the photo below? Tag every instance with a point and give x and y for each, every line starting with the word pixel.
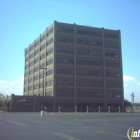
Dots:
pixel 67 126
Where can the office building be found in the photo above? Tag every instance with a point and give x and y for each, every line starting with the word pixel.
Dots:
pixel 76 66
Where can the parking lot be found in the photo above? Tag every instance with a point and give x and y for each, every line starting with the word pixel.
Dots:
pixel 67 126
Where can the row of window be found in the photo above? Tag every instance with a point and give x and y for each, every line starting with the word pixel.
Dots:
pixel 41 40
pixel 37 60
pixel 41 75
pixel 37 77
pixel 89 52
pixel 112 54
pixel 96 43
pixel 90 83
pixel 90 94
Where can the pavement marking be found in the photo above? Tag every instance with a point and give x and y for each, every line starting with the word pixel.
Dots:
pixel 42 122
pixel 68 122
pixel 111 134
pixel 66 136
pixel 17 123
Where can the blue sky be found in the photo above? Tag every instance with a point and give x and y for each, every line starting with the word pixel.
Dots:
pixel 23 21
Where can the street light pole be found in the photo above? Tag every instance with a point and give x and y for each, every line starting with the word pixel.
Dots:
pixel 43 88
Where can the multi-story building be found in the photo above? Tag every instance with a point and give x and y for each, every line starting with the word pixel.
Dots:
pixel 82 67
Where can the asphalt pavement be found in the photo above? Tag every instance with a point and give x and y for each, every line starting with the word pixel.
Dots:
pixel 67 126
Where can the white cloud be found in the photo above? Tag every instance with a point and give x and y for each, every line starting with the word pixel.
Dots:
pixel 15 87
pixel 127 78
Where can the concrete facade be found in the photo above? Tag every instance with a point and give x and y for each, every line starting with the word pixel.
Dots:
pixel 83 67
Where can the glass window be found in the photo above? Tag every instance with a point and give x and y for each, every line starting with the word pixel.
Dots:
pixel 27 66
pixel 36 60
pixel 111 44
pixel 42 56
pixel 64 82
pixel 113 84
pixel 49 42
pixel 50 93
pixel 113 64
pixel 42 65
pixel 65 50
pixel 41 85
pixel 30 80
pixel 35 86
pixel 111 35
pixel 37 43
pixel 30 88
pixel 31 72
pixel 49 72
pixel 31 56
pixel 42 38
pixel 49 83
pixel 26 74
pixel 41 75
pixel 49 52
pixel 50 32
pixel 61 60
pixel 25 89
pixel 31 63
pixel 65 29
pixel 31 48
pixel 65 39
pixel 64 71
pixel 114 74
pixel 49 62
pixel 112 54
pixel 26 59
pixel 37 51
pixel 36 69
pixel 26 52
pixel 42 47
pixel 35 78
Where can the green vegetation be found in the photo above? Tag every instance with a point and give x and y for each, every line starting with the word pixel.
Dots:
pixel 4 103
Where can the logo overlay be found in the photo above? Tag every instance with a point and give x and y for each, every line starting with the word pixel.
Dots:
pixel 131 133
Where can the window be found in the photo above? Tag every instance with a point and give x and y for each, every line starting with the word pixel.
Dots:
pixel 30 80
pixel 111 44
pixel 49 42
pixel 64 82
pixel 36 69
pixel 36 60
pixel 30 88
pixel 36 52
pixel 26 82
pixel 36 44
pixel 42 47
pixel 111 35
pixel 98 63
pixel 113 84
pixel 97 73
pixel 50 32
pixel 42 56
pixel 26 67
pixel 26 74
pixel 26 59
pixel 93 42
pixel 25 89
pixel 112 54
pixel 35 78
pixel 65 29
pixel 65 60
pixel 113 64
pixel 87 52
pixel 41 76
pixel 114 93
pixel 49 83
pixel 31 64
pixel 63 71
pixel 35 86
pixel 42 65
pixel 31 56
pixel 84 83
pixel 90 32
pixel 31 72
pixel 42 38
pixel 31 48
pixel 114 74
pixel 49 52
pixel 49 72
pixel 41 85
pixel 49 62
pixel 65 50
pixel 26 52
pixel 50 93
pixel 64 39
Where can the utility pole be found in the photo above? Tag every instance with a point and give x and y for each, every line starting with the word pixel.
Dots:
pixel 132 101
